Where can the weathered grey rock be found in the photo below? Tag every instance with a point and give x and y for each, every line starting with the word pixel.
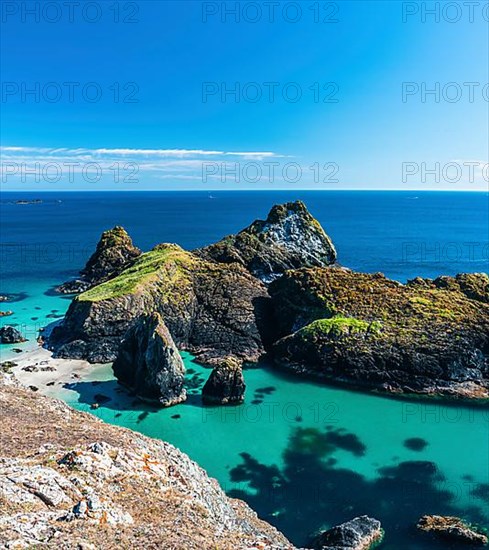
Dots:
pixel 225 384
pixel 358 534
pixel 452 528
pixel 10 335
pixel 149 363
pixel 288 239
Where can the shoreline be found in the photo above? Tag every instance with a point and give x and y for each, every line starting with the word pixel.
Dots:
pixel 38 368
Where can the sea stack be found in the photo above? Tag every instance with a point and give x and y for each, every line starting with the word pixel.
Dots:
pixel 149 363
pixel 226 384
pixel 115 251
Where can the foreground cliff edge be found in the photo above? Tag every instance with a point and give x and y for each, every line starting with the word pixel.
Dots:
pixel 275 290
pixel 68 480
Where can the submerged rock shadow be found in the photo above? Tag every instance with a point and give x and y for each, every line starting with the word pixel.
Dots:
pixel 311 491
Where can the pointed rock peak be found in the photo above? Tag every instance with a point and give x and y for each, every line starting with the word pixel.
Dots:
pixel 149 363
pixel 289 238
pixel 114 252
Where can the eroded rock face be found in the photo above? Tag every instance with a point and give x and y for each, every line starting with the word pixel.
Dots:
pixel 115 251
pixel 225 384
pixel 10 335
pixel 211 309
pixel 361 533
pixel 149 363
pixel 452 528
pixel 371 331
pixel 288 239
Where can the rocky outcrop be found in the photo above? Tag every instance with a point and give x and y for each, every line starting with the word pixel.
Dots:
pixel 149 363
pixel 474 285
pixel 115 251
pixel 211 309
pixel 361 533
pixel 225 384
pixel 452 529
pixel 288 239
pixel 76 482
pixel 10 335
pixel 370 331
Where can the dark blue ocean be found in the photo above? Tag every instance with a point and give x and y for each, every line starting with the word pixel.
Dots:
pixel 402 234
pixel 303 455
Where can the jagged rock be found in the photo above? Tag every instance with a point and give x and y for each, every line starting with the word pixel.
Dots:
pixel 10 335
pixel 370 331
pixel 149 363
pixel 211 309
pixel 289 238
pixel 361 533
pixel 452 528
pixel 115 251
pixel 225 384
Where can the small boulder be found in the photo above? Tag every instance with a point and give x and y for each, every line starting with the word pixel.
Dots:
pixel 225 384
pixel 10 335
pixel 149 363
pixel 452 528
pixel 361 533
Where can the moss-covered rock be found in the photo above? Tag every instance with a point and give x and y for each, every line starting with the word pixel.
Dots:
pixel 289 238
pixel 369 330
pixel 211 309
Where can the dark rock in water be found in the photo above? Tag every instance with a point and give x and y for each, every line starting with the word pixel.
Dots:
pixel 33 388
pixel 452 528
pixel 149 363
pixel 368 330
pixel 288 239
pixel 361 533
pixel 115 251
pixel 101 398
pixel 225 384
pixel 213 310
pixel 10 335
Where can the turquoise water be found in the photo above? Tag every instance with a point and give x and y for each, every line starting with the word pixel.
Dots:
pixel 303 455
pixel 306 456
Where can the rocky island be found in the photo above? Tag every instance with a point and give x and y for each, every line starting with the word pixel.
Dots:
pixel 275 291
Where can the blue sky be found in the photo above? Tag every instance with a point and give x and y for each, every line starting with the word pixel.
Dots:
pixel 168 134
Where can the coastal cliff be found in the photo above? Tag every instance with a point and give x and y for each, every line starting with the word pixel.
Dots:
pixel 76 482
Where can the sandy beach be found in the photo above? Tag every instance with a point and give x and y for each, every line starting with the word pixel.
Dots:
pixel 39 369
